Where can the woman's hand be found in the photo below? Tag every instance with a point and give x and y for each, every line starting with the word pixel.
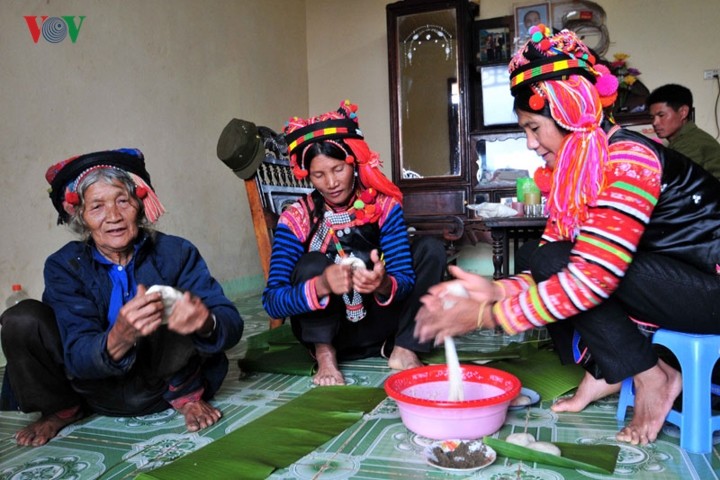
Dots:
pixel 477 287
pixel 139 317
pixel 443 314
pixel 335 279
pixel 190 315
pixel 372 281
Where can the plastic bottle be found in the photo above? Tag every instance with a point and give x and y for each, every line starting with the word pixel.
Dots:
pixel 17 295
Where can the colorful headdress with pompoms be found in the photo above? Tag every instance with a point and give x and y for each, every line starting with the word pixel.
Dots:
pixel 338 125
pixel 65 176
pixel 548 56
pixel 562 72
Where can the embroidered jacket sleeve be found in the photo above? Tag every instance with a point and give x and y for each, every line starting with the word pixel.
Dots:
pixel 282 299
pixel 603 248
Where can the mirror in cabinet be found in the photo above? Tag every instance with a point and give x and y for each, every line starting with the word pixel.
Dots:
pixel 428 102
pixel 503 157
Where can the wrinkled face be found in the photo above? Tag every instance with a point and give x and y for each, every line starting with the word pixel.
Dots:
pixel 333 178
pixel 110 213
pixel 543 135
pixel 666 121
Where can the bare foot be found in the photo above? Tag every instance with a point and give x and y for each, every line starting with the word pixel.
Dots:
pixel 403 359
pixel 47 427
pixel 328 371
pixel 655 391
pixel 589 390
pixel 199 415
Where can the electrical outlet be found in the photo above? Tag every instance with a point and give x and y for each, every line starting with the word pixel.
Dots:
pixel 710 74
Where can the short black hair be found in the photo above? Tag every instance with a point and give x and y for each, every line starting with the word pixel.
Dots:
pixel 673 94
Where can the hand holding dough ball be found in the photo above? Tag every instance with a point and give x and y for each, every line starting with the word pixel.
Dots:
pixel 456 290
pixel 354 262
pixel 170 295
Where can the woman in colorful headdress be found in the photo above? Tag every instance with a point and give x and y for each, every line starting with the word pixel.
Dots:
pixel 342 267
pixel 99 342
pixel 633 233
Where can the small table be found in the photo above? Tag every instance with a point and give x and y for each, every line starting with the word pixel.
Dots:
pixel 502 229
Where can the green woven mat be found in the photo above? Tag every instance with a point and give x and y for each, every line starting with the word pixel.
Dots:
pixel 277 439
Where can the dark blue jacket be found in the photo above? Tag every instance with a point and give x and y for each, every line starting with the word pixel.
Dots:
pixel 78 289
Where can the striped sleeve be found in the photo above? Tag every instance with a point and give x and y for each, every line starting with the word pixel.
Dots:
pixel 395 247
pixel 281 299
pixel 603 249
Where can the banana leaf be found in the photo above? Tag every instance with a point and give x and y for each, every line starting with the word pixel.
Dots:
pixel 277 439
pixel 541 370
pixel 437 356
pixel 591 458
pixel 277 351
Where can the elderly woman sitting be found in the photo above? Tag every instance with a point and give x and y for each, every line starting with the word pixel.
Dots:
pixel 99 342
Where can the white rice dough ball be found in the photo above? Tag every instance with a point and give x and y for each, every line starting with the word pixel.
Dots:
pixel 545 447
pixel 456 290
pixel 522 439
pixel 170 295
pixel 521 401
pixel 354 262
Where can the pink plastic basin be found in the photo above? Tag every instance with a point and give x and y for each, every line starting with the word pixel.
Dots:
pixel 422 398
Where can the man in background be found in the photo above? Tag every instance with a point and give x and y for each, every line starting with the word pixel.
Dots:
pixel 670 107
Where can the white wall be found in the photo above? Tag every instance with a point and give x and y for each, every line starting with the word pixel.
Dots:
pixel 163 76
pixel 167 75
pixel 347 59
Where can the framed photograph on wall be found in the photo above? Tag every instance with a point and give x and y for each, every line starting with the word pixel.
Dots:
pixel 493 39
pixel 527 16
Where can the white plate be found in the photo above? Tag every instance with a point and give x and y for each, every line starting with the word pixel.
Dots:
pixel 534 398
pixel 450 445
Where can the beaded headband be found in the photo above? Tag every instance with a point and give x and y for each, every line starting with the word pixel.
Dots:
pixel 330 129
pixel 548 56
pixel 335 125
pixel 64 177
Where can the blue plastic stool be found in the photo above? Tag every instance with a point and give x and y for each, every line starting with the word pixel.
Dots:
pixel 697 355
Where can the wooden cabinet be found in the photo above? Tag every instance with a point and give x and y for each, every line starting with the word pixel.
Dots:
pixel 455 140
pixel 441 61
pixel 428 59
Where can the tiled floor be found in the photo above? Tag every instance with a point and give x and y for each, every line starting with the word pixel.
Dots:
pixel 377 447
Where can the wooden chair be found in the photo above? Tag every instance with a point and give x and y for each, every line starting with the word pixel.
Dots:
pixel 269 191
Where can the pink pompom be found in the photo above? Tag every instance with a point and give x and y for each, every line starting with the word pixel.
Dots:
pixel 606 83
